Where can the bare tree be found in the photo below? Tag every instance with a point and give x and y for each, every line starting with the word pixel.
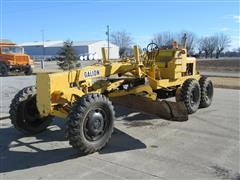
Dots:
pixel 208 45
pixel 123 40
pixel 222 42
pixel 164 39
pixel 191 39
pixel 167 38
pixel 234 53
pixel 199 48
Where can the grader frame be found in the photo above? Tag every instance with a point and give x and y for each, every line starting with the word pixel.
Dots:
pixel 55 91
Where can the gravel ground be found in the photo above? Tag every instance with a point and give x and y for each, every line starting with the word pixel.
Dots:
pixel 142 147
pixel 10 86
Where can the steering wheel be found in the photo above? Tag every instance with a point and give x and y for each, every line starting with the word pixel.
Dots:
pixel 152 46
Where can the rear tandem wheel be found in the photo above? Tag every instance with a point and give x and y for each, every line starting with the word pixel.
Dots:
pixel 206 92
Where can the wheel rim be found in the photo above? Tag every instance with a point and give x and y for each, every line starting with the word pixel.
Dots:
pixel 96 124
pixel 194 97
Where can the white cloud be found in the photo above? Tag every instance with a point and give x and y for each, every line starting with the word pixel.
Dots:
pixel 236 18
pixel 224 29
pixel 235 42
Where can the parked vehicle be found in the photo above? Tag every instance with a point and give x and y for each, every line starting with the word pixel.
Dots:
pixel 13 59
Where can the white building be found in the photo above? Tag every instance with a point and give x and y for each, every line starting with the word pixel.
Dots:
pixel 84 49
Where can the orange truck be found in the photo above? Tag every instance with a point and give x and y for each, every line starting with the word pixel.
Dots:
pixel 13 59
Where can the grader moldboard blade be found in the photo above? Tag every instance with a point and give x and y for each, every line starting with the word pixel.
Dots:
pixel 174 111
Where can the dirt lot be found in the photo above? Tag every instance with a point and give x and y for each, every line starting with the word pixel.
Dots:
pixel 232 65
pixel 226 82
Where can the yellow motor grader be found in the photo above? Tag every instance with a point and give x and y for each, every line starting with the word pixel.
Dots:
pixel 81 96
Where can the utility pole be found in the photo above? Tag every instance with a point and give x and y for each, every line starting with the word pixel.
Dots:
pixel 43 49
pixel 184 40
pixel 107 33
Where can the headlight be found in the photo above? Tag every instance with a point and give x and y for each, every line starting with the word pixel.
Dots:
pixel 10 62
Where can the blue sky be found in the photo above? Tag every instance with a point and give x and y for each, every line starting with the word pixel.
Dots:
pixel 23 20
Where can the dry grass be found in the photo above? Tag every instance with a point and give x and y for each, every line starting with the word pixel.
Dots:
pixel 226 82
pixel 219 65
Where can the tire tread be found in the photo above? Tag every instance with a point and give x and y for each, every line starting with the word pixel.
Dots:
pixel 74 127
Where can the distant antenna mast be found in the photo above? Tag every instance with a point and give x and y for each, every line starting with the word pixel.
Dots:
pixel 43 41
pixel 184 40
pixel 107 33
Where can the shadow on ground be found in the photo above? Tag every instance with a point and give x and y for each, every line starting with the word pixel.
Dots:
pixel 127 114
pixel 19 152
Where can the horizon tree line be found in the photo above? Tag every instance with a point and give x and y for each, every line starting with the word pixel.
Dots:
pixel 205 46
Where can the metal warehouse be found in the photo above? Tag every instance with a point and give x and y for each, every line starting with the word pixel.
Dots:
pixel 85 50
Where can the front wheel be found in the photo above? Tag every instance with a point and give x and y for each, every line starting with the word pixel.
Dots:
pixel 24 114
pixel 90 123
pixel 4 69
pixel 28 71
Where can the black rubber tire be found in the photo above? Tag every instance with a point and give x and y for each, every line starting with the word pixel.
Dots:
pixel 79 120
pixel 206 92
pixel 28 71
pixel 3 69
pixel 24 114
pixel 191 95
